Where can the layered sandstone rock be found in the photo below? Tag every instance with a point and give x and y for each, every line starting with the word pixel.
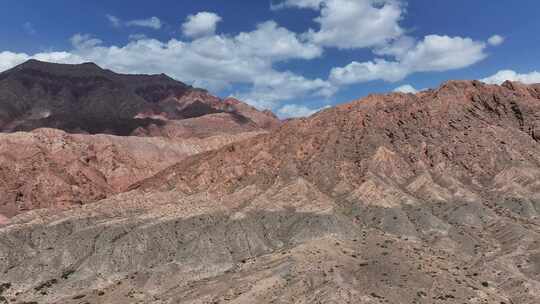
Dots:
pixel 49 168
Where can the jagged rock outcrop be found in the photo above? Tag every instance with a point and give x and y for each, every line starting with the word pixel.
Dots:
pixel 458 137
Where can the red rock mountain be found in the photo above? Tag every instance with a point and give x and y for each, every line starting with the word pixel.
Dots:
pixel 456 142
pixel 51 168
pixel 398 198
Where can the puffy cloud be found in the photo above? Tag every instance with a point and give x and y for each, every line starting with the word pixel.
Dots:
pixel 434 53
pixel 442 53
pixel 396 48
pixel 374 24
pixel 272 41
pixel 496 40
pixel 357 72
pixel 272 88
pixel 504 75
pixel 406 88
pixel 294 110
pixel 350 24
pixel 201 24
pixel 152 22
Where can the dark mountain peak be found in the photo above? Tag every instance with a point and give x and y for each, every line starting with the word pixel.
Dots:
pixel 90 69
pixel 38 64
pixel 36 68
pixel 31 62
pixel 89 99
pixel 91 65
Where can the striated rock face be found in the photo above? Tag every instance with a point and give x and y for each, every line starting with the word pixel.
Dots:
pixel 457 142
pixel 400 198
pixel 87 99
pixel 50 168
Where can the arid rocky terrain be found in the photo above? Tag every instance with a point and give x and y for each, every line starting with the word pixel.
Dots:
pixel 50 168
pixel 166 121
pixel 397 198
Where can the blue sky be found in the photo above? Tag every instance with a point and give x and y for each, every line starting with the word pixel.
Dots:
pixel 292 56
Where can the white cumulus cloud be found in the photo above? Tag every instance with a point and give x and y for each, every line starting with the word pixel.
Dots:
pixel 201 24
pixel 433 53
pixel 271 88
pixel 351 24
pixel 375 24
pixel 272 41
pixel 504 75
